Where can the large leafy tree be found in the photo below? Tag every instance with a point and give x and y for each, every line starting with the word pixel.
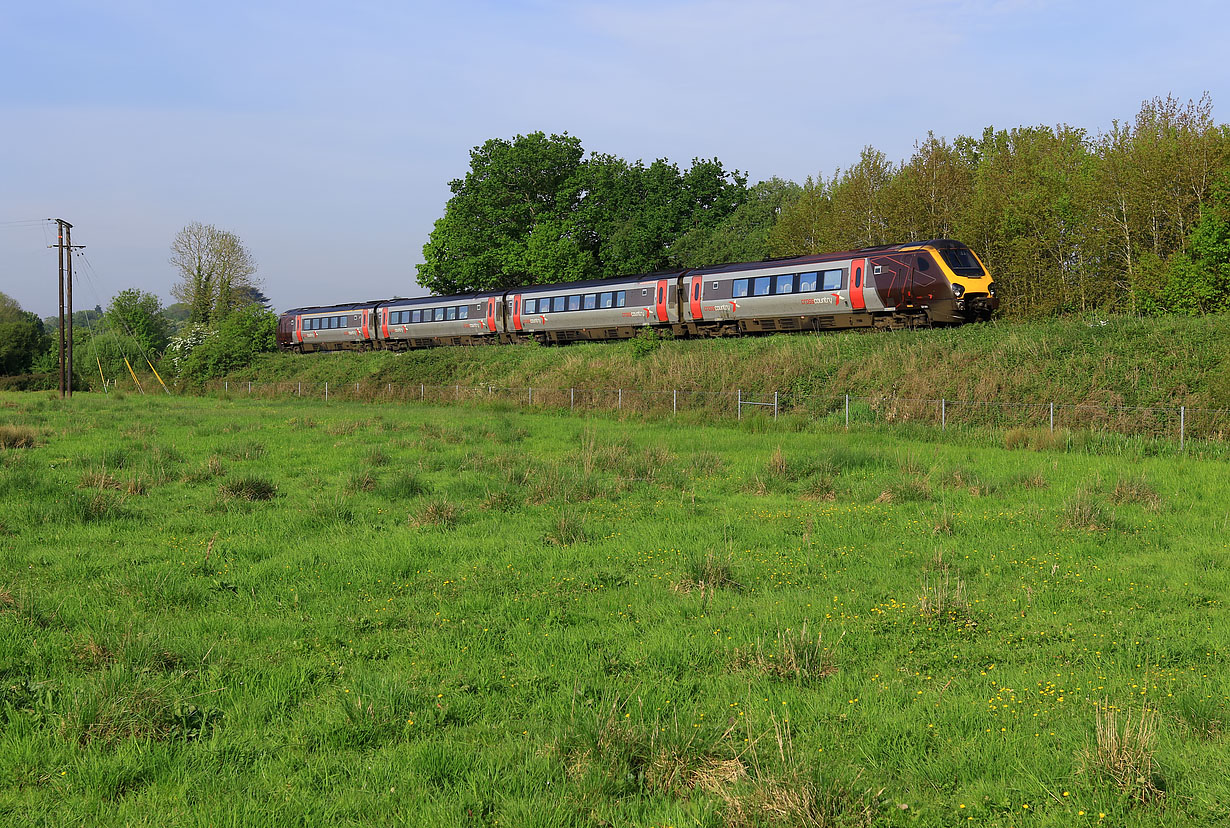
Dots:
pixel 531 210
pixel 216 271
pixel 509 217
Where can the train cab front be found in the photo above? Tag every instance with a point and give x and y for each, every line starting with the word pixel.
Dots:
pixel 973 291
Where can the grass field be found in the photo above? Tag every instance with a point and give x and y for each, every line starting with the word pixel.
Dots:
pixel 246 612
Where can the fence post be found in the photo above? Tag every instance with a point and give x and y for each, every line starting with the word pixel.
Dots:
pixel 300 389
pixel 774 405
pixel 457 390
pixel 847 412
pixel 739 403
pixel 422 391
pixel 531 395
pixel 249 388
pixel 226 387
pixel 1052 418
pixel 943 414
pixel 1182 426
pixel 326 392
pixel 621 399
pixel 572 398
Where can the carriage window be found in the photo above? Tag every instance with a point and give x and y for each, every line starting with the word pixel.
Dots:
pixel 738 288
pixel 416 316
pixel 463 312
pixel 696 291
pixel 530 304
pixel 832 279
pixel 605 300
pixel 760 287
pixel 591 301
pixel 621 298
pixel 439 315
pixel 574 302
pixel 785 283
pixel 807 282
pixel 450 314
pixel 660 291
pixel 557 304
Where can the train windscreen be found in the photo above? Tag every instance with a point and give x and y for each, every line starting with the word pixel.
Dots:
pixel 962 262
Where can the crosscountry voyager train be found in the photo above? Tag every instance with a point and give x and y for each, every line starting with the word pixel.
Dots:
pixel 937 282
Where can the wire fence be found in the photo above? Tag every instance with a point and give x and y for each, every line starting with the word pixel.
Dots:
pixel 1180 423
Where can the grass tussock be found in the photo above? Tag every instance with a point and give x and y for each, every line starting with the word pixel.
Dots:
pixel 406 486
pixel 436 512
pixel 793 655
pixel 361 481
pixel 910 490
pixel 250 488
pixel 99 479
pixel 707 575
pixel 1123 753
pixel 568 529
pixel 942 594
pixel 14 436
pixel 1085 512
pixel 1135 490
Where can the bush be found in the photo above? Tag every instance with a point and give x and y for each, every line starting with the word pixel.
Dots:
pixel 200 353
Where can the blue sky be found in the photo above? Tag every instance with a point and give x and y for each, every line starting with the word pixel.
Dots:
pixel 325 134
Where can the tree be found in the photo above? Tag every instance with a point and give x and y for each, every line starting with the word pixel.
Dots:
pixel 743 235
pixel 531 211
pixel 215 269
pixel 139 315
pixel 22 337
pixel 515 191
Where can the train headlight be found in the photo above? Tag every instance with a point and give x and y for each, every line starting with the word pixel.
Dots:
pixel 991 288
pixel 958 290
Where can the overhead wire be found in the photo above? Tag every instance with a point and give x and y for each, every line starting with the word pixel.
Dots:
pixel 127 329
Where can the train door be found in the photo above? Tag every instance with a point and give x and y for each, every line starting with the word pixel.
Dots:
pixel 858 278
pixel 299 329
pixel 366 315
pixel 517 312
pixel 384 322
pixel 491 314
pixel 662 312
pixel 694 297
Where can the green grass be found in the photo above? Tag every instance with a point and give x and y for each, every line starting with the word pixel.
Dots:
pixel 276 612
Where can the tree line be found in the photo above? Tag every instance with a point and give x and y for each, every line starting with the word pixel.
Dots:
pixel 221 321
pixel 1135 219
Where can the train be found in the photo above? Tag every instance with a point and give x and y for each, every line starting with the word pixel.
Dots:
pixel 926 283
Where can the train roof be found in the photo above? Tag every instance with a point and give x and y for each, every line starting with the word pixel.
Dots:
pixel 327 308
pixel 608 282
pixel 821 258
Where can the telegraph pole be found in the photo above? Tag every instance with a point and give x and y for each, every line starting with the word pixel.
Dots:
pixel 65 245
pixel 60 245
